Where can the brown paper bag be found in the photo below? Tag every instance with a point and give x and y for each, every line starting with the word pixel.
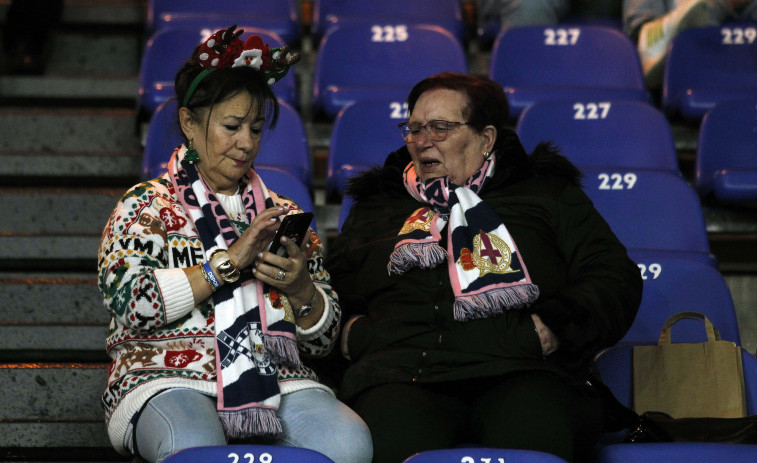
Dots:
pixel 689 380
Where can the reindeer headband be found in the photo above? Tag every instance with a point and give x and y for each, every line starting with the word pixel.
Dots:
pixel 224 50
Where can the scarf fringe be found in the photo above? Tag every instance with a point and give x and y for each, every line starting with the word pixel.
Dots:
pixel 492 303
pixel 282 350
pixel 248 422
pixel 423 255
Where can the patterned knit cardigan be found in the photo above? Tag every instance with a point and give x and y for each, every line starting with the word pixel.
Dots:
pixel 158 338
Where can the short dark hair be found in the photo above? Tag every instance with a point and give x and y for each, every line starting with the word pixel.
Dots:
pixel 487 102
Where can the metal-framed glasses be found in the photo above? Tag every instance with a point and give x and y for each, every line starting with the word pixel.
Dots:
pixel 435 130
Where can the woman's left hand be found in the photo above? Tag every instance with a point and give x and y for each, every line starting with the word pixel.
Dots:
pixel 549 342
pixel 289 274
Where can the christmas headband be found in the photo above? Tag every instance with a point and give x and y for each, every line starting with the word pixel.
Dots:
pixel 225 49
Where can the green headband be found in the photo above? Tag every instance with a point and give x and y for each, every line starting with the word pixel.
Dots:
pixel 195 83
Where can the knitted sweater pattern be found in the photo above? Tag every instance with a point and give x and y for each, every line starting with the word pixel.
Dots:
pixel 158 338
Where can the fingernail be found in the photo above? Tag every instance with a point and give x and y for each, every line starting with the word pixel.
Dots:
pixel 284 239
pixel 260 255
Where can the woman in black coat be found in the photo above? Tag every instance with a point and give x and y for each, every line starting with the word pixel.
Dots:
pixel 478 282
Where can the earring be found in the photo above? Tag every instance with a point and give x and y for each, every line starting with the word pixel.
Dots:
pixel 191 156
pixel 487 155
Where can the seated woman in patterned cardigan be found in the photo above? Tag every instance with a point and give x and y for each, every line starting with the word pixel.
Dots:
pixel 209 330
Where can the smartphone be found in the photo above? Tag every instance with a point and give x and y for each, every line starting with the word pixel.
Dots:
pixel 294 227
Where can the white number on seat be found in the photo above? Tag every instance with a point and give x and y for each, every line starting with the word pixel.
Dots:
pixel 250 458
pixel 591 111
pixel 389 33
pixel 616 181
pixel 738 35
pixel 561 36
pixel 652 269
pixel 398 110
pixel 483 460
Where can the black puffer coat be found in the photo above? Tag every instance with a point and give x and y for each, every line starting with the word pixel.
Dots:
pixel 589 288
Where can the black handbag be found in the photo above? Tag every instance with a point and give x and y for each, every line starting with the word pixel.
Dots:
pixel 660 427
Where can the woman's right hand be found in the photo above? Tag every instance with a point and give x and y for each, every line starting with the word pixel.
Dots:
pixel 256 238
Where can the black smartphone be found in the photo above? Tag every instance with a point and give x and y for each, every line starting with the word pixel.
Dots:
pixel 294 227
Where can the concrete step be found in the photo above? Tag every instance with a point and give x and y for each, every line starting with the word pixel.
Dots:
pixel 68 130
pixel 55 405
pixel 98 12
pixel 84 146
pixel 63 211
pixel 52 318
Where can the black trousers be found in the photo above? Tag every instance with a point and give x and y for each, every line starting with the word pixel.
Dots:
pixel 533 410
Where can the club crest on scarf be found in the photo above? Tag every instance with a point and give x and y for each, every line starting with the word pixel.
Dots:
pixel 490 254
pixel 420 220
pixel 486 273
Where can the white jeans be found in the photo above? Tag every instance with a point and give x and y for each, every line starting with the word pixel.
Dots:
pixel 312 418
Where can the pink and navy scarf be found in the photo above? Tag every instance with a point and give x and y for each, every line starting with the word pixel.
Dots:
pixel 485 268
pixel 252 337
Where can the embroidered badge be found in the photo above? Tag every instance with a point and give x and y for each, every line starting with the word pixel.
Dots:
pixel 490 255
pixel 420 220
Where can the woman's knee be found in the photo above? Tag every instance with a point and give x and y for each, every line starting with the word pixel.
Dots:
pixel 315 419
pixel 176 420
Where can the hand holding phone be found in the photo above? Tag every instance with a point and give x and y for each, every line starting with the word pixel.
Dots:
pixel 294 227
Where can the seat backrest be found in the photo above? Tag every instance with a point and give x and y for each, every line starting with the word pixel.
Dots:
pixel 282 182
pixel 474 454
pixel 168 49
pixel 163 136
pixel 363 134
pixel 366 61
pixel 278 16
pixel 535 63
pixel 620 134
pixel 650 210
pixel 706 65
pixel 285 146
pixel 673 285
pixel 728 143
pixel 444 13
pixel 247 453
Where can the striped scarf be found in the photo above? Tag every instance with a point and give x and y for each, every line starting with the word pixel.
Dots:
pixel 485 268
pixel 252 336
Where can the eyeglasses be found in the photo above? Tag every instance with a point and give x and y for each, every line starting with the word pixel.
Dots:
pixel 436 130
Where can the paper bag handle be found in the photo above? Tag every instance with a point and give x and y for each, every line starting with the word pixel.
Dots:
pixel 712 333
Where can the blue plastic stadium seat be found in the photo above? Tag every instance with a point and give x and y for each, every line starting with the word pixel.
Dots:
pixel 673 285
pixel 363 134
pixel 619 134
pixel 285 146
pixel 247 453
pixel 168 49
pixel 278 16
pixel 362 61
pixel 651 211
pixel 708 65
pixel 581 63
pixel 344 210
pixel 284 183
pixel 483 455
pixel 726 161
pixel 677 452
pixel 444 13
